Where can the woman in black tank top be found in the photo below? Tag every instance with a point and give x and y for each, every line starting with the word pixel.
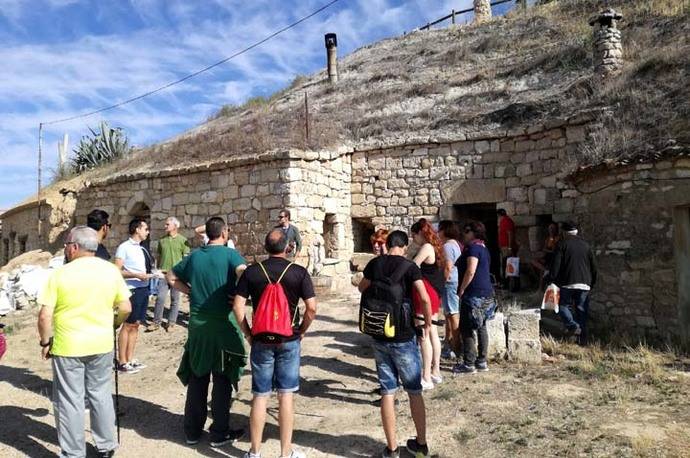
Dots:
pixel 430 259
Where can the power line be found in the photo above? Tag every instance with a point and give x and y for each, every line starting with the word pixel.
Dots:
pixel 192 75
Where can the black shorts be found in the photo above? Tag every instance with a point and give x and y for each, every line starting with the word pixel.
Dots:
pixel 140 302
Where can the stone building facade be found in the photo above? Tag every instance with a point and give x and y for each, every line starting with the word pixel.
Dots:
pixel 636 217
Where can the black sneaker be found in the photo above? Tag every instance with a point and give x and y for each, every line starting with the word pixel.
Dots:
pixel 462 369
pixel 229 438
pixel 481 366
pixel 106 454
pixel 388 453
pixel 417 449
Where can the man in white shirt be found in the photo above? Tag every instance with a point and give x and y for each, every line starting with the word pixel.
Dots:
pixel 131 260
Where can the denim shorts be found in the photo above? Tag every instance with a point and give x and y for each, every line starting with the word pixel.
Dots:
pixel 451 301
pixel 275 367
pixel 140 302
pixel 398 360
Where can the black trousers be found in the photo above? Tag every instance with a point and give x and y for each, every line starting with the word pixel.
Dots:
pixel 195 411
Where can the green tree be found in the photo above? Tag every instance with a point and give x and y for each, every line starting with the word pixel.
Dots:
pixel 102 146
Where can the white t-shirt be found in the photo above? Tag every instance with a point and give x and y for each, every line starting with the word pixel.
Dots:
pixel 230 243
pixel 134 260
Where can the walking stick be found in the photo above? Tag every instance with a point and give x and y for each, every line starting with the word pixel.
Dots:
pixel 117 388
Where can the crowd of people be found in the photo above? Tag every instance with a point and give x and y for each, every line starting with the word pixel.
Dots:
pixel 449 274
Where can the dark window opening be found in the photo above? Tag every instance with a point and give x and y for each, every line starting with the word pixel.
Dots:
pixel 681 249
pixel 5 251
pixel 330 236
pixel 141 210
pixel 362 230
pixel 22 244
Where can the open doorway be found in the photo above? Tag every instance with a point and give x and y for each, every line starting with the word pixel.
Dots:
pixel 486 213
pixel 330 236
pixel 141 210
pixel 681 249
pixel 362 230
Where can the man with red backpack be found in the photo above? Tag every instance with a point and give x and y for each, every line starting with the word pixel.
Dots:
pixel 275 287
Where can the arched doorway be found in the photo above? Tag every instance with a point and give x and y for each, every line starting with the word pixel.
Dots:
pixel 143 211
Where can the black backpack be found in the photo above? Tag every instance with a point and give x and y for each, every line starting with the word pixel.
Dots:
pixel 383 311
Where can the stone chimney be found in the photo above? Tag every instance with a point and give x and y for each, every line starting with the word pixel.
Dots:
pixel 482 11
pixel 332 56
pixel 608 50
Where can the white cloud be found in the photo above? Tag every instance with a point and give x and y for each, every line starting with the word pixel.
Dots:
pixel 43 81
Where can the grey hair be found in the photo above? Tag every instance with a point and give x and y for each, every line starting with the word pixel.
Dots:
pixel 174 220
pixel 85 237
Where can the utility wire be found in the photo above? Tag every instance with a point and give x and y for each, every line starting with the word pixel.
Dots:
pixel 192 75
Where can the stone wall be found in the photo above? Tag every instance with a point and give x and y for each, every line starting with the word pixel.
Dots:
pixel 248 193
pixel 19 232
pixel 522 171
pixel 319 196
pixel 628 215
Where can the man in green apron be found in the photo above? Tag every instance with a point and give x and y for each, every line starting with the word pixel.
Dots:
pixel 214 345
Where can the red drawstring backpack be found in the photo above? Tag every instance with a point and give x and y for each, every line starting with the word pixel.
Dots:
pixel 272 314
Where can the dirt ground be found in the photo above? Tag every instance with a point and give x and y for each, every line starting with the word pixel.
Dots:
pixel 592 402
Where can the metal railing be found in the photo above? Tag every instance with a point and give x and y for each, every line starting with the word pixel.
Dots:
pixel 453 14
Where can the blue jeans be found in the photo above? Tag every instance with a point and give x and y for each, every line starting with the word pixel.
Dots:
pixel 473 316
pixel 275 367
pixel 451 301
pixel 578 299
pixel 398 360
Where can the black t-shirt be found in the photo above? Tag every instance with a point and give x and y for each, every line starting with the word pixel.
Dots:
pixel 102 252
pixel 386 265
pixel 296 284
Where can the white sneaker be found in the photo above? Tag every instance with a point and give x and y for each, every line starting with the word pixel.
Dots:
pixel 427 385
pixel 136 364
pixel 295 454
pixel 251 455
pixel 437 379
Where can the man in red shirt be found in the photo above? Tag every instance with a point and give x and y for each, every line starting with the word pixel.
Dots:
pixel 506 239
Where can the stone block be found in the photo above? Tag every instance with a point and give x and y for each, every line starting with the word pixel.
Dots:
pixel 363 211
pixel 524 325
pixel 360 260
pixel 524 350
pixel 518 194
pixel 482 146
pixel 497 337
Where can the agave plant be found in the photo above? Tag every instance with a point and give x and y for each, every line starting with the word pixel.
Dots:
pixel 99 148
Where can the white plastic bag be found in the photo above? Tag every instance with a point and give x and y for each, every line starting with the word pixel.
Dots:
pixel 551 298
pixel 513 267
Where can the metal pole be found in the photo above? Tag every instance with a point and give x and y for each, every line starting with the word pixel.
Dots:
pixel 452 17
pixel 38 192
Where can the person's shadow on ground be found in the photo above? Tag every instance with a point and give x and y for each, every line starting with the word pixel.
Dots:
pixel 151 421
pixel 22 432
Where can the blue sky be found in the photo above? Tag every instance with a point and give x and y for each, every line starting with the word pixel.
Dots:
pixel 65 57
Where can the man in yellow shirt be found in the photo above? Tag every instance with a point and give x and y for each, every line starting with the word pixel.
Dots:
pixel 75 324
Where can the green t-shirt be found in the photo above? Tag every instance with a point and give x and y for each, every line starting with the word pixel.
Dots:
pixel 214 342
pixel 210 271
pixel 171 250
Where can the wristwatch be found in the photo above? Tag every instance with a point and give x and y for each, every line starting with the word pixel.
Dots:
pixel 47 344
